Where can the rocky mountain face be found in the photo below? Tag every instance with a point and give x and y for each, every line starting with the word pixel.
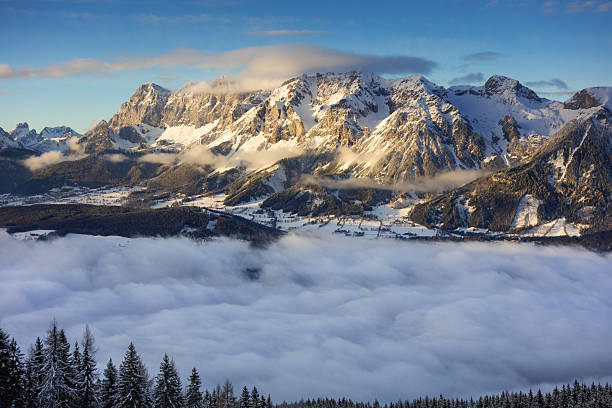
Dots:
pixel 364 131
pixel 568 180
pixel 145 106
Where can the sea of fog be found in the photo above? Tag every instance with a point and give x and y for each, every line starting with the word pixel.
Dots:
pixel 324 316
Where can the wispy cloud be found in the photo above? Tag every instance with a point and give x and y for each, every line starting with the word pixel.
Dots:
pixel 471 78
pixel 178 19
pixel 549 83
pixel 581 6
pixel 550 6
pixel 481 56
pixel 286 33
pixel 257 67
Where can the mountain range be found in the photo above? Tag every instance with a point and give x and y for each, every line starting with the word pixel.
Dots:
pixel 345 145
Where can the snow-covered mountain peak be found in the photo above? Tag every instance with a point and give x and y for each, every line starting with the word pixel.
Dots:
pixel 509 88
pixel 145 106
pixel 24 135
pixel 151 87
pixel 590 98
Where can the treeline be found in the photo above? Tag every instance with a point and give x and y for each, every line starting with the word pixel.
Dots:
pixel 53 375
pixel 569 396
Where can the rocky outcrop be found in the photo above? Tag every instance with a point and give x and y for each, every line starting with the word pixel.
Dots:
pixel 583 99
pixel 100 138
pixel 145 106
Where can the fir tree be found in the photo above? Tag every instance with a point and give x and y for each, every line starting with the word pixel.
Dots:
pixel 17 373
pixel 56 388
pixel 12 372
pixel 133 383
pixel 108 387
pixel 245 398
pixel 193 397
pixel 208 400
pixel 75 364
pixel 254 398
pixel 167 392
pixel 227 399
pixel 5 376
pixel 34 374
pixel 87 373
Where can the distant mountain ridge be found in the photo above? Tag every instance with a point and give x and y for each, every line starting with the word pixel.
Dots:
pixel 367 136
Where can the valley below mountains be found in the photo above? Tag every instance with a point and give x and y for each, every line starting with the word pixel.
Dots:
pixel 352 153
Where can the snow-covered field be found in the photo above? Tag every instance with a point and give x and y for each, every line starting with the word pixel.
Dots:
pixel 72 195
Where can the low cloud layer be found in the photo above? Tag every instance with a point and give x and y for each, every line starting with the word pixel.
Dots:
pixel 249 68
pixel 201 155
pixel 75 152
pixel 328 317
pixel 436 184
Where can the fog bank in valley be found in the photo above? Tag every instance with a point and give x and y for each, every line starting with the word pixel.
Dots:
pixel 327 316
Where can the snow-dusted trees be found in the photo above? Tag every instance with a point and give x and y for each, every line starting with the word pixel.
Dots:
pixel 168 391
pixel 86 372
pixel 108 387
pixel 34 374
pixel 193 395
pixel 12 372
pixel 133 383
pixel 227 398
pixel 255 402
pixel 245 398
pixel 57 388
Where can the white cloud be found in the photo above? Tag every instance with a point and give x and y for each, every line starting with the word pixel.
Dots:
pixel 250 68
pixel 286 33
pixel 115 157
pixel 328 317
pixel 47 159
pixel 436 184
pixel 160 158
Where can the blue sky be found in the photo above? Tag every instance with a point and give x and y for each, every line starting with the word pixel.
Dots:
pixel 73 62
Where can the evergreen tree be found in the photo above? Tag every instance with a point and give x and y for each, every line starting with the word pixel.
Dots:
pixel 56 388
pixel 34 374
pixel 87 373
pixel 12 372
pixel 269 402
pixel 193 397
pixel 108 387
pixel 5 375
pixel 208 400
pixel 17 375
pixel 167 392
pixel 75 364
pixel 227 399
pixel 133 383
pixel 254 398
pixel 245 398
